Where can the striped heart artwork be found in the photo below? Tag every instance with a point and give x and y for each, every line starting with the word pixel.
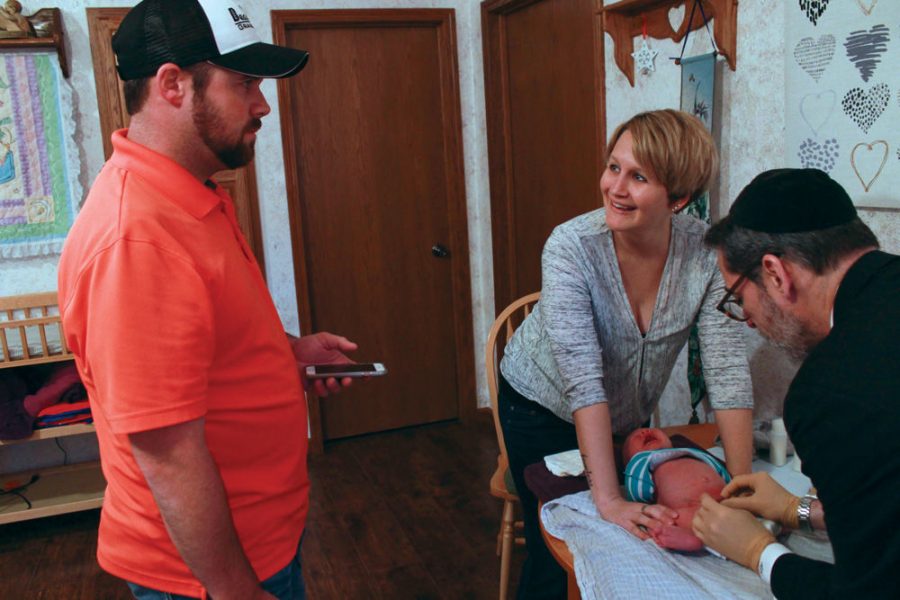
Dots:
pixel 814 56
pixel 864 49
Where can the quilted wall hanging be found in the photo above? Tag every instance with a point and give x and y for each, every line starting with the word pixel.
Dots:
pixel 842 94
pixel 39 190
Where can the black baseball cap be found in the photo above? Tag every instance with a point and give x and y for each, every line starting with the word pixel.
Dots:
pixel 186 32
pixel 792 201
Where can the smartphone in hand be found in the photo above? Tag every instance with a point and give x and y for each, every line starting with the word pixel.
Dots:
pixel 345 370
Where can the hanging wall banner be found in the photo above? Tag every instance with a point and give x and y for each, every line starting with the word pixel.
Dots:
pixel 842 95
pixel 698 86
pixel 698 90
pixel 698 93
pixel 39 190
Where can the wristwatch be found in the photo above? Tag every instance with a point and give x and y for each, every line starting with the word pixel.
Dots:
pixel 804 512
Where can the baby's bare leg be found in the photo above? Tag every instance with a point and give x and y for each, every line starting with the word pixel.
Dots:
pixel 679 485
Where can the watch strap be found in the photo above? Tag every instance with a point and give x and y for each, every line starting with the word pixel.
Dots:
pixel 804 512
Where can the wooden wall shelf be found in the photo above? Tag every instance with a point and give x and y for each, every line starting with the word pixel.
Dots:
pixel 47 23
pixel 625 20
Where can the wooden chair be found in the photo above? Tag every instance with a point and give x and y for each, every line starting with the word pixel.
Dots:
pixel 502 485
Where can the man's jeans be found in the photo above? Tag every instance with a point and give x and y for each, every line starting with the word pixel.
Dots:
pixel 286 584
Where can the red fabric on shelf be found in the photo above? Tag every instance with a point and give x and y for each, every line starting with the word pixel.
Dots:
pixel 60 382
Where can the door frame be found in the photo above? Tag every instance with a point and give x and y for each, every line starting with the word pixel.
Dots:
pixel 443 20
pixel 497 105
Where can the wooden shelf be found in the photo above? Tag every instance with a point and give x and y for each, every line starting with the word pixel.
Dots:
pixel 59 490
pixel 52 432
pixel 47 22
pixel 625 20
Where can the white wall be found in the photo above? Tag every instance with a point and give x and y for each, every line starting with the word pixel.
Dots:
pixel 751 114
pixel 752 140
pixel 31 275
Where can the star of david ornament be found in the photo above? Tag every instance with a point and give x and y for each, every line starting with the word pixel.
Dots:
pixel 644 58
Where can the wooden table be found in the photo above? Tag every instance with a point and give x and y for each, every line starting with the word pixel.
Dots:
pixel 561 553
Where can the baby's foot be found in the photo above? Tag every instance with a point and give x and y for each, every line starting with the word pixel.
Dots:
pixel 676 538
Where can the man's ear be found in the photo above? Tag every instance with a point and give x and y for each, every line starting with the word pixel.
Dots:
pixel 172 83
pixel 777 276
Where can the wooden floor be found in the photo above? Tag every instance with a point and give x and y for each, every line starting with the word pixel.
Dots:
pixel 403 514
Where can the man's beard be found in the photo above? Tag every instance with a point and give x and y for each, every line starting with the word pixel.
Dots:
pixel 784 330
pixel 211 127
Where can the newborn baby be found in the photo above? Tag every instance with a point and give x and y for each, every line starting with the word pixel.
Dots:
pixel 673 477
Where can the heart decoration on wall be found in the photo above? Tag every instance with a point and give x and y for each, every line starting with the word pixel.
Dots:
pixel 814 155
pixel 863 159
pixel 816 109
pixel 676 17
pixel 864 48
pixel 867 8
pixel 813 9
pixel 863 107
pixel 814 56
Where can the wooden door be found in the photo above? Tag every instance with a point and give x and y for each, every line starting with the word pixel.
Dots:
pixel 240 183
pixel 373 157
pixel 543 62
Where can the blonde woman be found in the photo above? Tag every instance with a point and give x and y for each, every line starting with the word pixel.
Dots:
pixel 622 288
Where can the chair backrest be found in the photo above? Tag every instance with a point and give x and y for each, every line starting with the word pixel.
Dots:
pixel 502 329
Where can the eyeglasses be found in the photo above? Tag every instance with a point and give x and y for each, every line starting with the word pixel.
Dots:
pixel 731 305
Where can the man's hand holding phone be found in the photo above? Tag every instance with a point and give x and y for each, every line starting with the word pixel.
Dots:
pixel 322 348
pixel 340 375
pixel 345 370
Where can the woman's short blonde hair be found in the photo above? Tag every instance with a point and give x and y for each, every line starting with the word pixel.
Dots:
pixel 675 146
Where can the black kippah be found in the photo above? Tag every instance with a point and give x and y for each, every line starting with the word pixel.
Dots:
pixel 792 201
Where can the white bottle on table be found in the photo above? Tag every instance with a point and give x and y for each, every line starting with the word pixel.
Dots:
pixel 778 443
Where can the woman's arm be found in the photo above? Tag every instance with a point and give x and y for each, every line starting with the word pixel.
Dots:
pixel 592 425
pixel 727 374
pixel 736 430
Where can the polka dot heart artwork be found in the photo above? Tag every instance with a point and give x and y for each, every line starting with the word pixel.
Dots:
pixel 814 155
pixel 864 107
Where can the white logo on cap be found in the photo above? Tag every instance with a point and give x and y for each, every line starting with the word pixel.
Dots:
pixel 230 25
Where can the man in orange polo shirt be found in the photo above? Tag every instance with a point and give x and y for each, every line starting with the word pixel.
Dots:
pixel 193 383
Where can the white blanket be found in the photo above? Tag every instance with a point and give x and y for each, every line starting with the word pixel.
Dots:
pixel 610 563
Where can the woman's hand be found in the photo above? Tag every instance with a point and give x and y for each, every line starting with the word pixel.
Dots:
pixel 763 496
pixel 637 517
